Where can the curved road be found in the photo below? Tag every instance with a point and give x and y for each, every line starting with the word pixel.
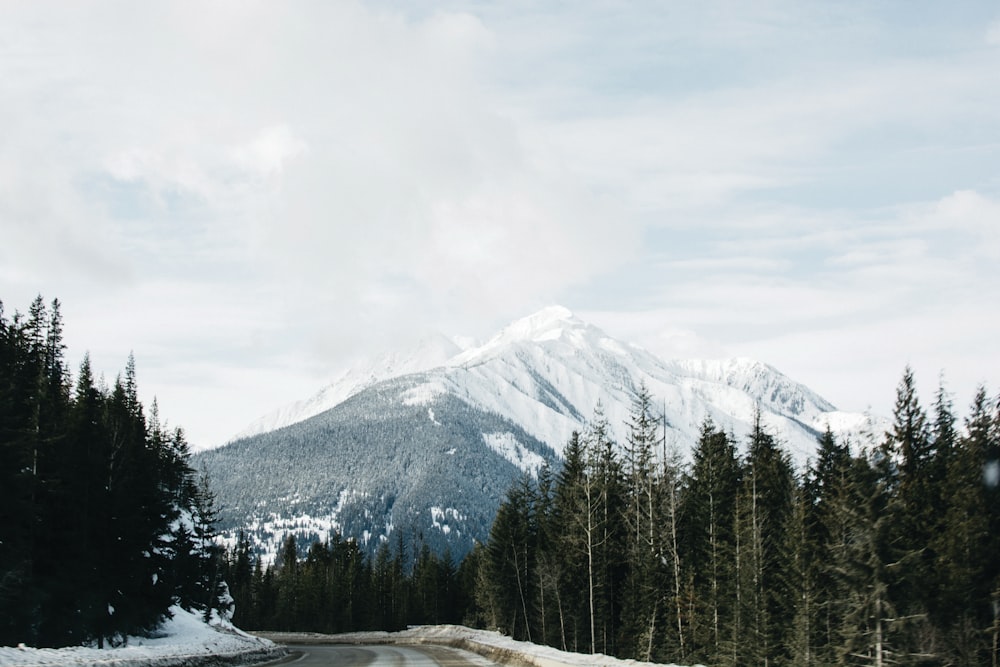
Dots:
pixel 381 656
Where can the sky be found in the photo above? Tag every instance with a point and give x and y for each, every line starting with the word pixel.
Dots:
pixel 252 195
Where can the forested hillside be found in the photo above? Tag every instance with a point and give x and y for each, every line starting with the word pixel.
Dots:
pixel 372 466
pixel 103 522
pixel 880 552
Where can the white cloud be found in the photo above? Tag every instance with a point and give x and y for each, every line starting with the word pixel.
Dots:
pixel 993 33
pixel 270 150
pixel 250 186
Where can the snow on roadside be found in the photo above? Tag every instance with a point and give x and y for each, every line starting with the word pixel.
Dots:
pixel 492 645
pixel 184 640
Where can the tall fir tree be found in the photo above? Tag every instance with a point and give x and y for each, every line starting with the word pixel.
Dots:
pixel 965 545
pixel 906 472
pixel 765 523
pixel 641 594
pixel 708 522
pixel 826 538
pixel 88 498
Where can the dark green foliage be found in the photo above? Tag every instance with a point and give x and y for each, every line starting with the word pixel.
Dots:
pixel 642 604
pixel 883 553
pixel 510 562
pixel 91 501
pixel 879 557
pixel 708 537
pixel 381 462
pixel 335 587
pixel 765 523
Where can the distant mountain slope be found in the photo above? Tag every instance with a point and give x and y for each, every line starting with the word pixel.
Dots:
pixel 428 442
pixel 429 353
pixel 390 458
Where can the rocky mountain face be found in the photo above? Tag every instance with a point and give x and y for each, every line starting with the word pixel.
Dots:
pixel 422 447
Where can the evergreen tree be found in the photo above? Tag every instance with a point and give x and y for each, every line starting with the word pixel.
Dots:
pixel 870 635
pixel 610 493
pixel 826 536
pixel 239 574
pixel 708 522
pixel 510 557
pixel 670 555
pixel 906 473
pixel 547 558
pixel 573 524
pixel 765 523
pixel 965 544
pixel 87 496
pixel 289 585
pixel 641 599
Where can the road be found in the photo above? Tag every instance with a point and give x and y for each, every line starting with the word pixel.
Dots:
pixel 381 656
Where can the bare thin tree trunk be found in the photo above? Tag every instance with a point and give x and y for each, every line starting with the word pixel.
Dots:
pixel 520 592
pixel 879 658
pixel 562 620
pixel 678 605
pixel 541 600
pixel 590 571
pixel 652 631
pixel 738 613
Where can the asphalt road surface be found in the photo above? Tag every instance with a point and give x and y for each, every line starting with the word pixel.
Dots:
pixel 381 656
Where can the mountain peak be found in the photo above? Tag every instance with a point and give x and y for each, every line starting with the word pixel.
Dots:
pixel 548 324
pixel 540 325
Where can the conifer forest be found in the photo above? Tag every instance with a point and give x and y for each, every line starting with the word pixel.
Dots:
pixel 104 525
pixel 881 551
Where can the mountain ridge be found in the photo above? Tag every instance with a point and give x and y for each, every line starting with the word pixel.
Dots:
pixel 427 442
pixel 555 324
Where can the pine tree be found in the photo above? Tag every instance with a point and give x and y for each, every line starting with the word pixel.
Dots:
pixel 867 636
pixel 572 533
pixel 906 468
pixel 289 585
pixel 641 598
pixel 767 510
pixel 670 556
pixel 510 557
pixel 210 592
pixel 550 616
pixel 87 496
pixel 238 574
pixel 607 491
pixel 965 545
pixel 708 538
pixel 826 538
pixel 20 599
pixel 382 588
pixel 582 502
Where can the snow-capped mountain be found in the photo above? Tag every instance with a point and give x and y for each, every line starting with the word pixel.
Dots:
pixel 429 353
pixel 548 371
pixel 430 440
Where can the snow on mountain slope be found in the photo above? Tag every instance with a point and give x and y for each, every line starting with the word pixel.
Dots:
pixel 549 371
pixel 431 352
pixel 432 452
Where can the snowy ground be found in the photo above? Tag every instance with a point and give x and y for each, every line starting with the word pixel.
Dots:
pixel 184 641
pixel 492 645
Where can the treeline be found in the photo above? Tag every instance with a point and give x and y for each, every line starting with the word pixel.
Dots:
pixel 104 525
pixel 337 588
pixel 884 552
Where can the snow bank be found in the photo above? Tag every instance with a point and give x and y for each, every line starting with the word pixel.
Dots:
pixel 183 641
pixel 491 645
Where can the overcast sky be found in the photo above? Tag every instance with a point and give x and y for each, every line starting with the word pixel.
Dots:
pixel 251 195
